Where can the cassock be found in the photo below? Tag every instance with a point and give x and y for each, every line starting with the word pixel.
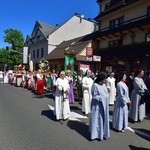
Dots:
pixel 87 83
pixel 40 86
pixel 99 115
pixel 111 86
pixel 71 92
pixel 137 110
pixel 62 108
pixel 120 115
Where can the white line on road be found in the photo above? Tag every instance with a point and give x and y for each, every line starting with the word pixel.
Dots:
pixel 136 131
pixel 74 116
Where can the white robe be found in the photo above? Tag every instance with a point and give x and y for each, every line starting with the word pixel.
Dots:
pixel 110 82
pixel 6 78
pixel 87 83
pixel 62 108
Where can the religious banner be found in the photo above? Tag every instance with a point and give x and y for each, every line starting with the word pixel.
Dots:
pixel 69 62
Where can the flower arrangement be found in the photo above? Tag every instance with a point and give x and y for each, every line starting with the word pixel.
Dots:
pixel 44 65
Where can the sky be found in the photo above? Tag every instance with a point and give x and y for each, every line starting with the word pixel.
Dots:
pixel 22 14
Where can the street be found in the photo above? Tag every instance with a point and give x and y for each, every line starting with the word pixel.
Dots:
pixel 27 122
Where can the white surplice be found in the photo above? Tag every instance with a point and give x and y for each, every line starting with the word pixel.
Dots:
pixel 110 82
pixel 87 83
pixel 62 108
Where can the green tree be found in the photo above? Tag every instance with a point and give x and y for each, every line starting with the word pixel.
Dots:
pixel 14 37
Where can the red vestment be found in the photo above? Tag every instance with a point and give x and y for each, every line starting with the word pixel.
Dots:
pixel 40 86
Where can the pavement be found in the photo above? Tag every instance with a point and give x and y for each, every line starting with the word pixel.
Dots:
pixel 140 128
pixel 28 123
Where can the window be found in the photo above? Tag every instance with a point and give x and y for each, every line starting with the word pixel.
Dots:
pixel 37 53
pixel 42 52
pixel 148 11
pixel 116 22
pixel 112 24
pixel 33 54
pixel 38 38
pixel 148 37
pixel 115 43
pixel 51 67
pixel 120 20
pixel 55 66
pixel 132 37
pixel 99 25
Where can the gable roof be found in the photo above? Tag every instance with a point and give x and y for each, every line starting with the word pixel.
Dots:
pixel 45 28
pixel 75 45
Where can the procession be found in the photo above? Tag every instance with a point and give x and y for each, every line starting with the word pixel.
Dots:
pixel 75 79
pixel 96 92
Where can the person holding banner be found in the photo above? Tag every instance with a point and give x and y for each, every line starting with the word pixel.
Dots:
pixel 62 108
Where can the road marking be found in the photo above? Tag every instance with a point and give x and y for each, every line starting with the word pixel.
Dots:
pixel 136 131
pixel 74 115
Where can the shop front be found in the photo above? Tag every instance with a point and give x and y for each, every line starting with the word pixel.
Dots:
pixel 126 58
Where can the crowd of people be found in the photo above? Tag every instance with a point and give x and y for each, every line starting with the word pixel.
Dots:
pixel 129 94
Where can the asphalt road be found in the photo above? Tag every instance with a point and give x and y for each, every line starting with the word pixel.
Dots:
pixel 27 123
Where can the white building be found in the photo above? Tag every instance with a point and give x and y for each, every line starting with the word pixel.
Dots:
pixel 44 38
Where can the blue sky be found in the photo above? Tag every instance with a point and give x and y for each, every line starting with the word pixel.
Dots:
pixel 22 14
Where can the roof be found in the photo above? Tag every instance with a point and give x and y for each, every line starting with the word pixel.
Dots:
pixel 75 45
pixel 45 28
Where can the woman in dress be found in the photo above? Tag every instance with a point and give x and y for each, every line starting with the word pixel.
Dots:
pixel 120 115
pixel 99 116
pixel 110 83
pixel 137 109
pixel 79 85
pixel 70 81
pixel 87 83
pixel 62 108
pixel 39 85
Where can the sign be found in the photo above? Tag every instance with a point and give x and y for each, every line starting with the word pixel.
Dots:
pixel 69 62
pixel 89 51
pixel 89 58
pixel 96 58
pixel 84 68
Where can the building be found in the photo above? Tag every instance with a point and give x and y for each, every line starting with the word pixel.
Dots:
pixel 123 39
pixel 45 38
pixel 77 47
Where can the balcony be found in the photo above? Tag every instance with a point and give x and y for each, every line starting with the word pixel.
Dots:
pixel 113 4
pixel 136 49
pixel 124 26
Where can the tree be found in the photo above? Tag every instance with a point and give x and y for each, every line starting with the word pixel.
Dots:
pixel 14 37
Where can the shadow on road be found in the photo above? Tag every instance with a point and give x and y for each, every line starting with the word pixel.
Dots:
pixel 79 127
pixel 74 108
pixel 139 131
pixel 49 114
pixel 137 148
